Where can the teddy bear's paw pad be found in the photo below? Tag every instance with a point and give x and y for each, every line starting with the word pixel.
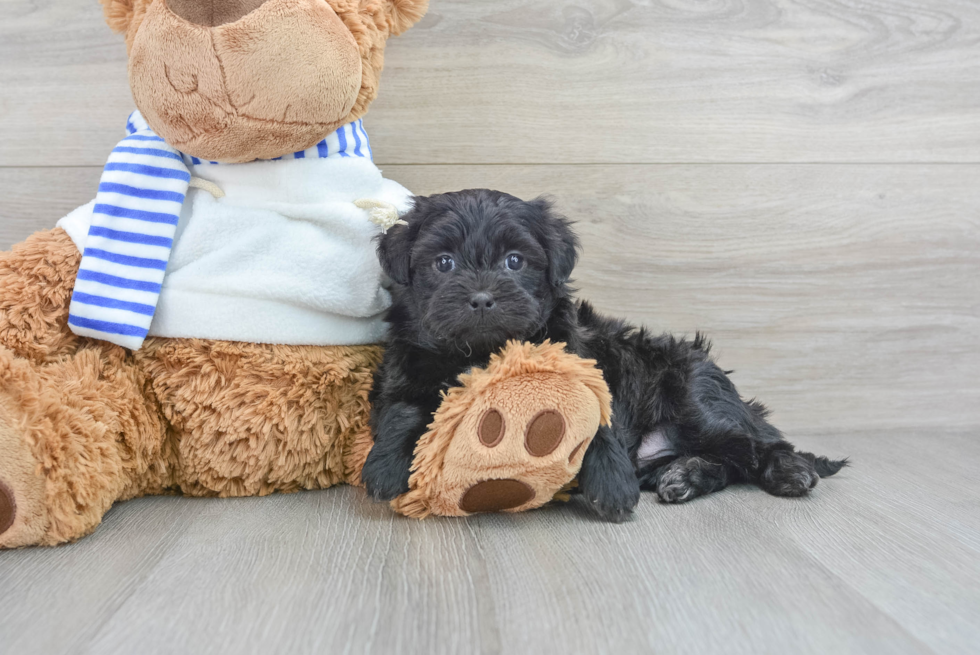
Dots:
pixel 492 428
pixel 495 496
pixel 8 508
pixel 545 433
pixel 23 514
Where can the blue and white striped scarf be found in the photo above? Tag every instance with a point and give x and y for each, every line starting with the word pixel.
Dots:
pixel 134 222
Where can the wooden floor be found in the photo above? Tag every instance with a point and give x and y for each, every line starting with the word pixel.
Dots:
pixel 881 559
pixel 798 178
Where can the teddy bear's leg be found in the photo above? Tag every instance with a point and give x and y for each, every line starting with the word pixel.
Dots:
pixel 36 282
pixel 78 428
pixel 76 435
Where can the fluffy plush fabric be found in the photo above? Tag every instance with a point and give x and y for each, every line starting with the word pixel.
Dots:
pixel 84 424
pixel 284 257
pixel 250 419
pixel 510 437
pixel 36 279
pixel 233 92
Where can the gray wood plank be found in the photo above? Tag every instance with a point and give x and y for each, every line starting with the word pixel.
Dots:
pixel 910 518
pixel 517 81
pixel 53 600
pixel 855 568
pixel 844 296
pixel 35 198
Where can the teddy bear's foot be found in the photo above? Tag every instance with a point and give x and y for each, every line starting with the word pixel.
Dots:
pixel 23 519
pixel 76 435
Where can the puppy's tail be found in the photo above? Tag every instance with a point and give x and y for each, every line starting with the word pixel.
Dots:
pixel 825 467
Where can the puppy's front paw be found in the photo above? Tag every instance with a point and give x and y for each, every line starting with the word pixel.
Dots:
pixel 385 477
pixel 607 479
pixel 613 499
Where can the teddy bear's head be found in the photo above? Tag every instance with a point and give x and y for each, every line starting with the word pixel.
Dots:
pixel 237 80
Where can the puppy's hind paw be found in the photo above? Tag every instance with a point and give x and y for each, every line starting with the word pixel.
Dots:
pixel 788 474
pixel 689 477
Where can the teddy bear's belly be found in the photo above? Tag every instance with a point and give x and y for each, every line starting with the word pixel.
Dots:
pixel 250 419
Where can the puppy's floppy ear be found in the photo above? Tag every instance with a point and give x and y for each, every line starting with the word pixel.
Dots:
pixel 395 247
pixel 555 234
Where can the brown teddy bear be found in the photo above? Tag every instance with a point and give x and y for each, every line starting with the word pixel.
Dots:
pixel 209 324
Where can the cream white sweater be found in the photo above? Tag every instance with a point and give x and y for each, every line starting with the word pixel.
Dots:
pixel 285 257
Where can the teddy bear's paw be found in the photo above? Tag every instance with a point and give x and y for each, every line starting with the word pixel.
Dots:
pixel 512 439
pixel 23 519
pixel 541 437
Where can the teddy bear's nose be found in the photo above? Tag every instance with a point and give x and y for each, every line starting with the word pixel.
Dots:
pixel 211 13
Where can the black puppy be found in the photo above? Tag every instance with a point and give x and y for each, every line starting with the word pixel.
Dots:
pixel 475 268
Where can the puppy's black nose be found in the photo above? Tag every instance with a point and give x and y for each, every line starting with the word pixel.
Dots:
pixel 481 301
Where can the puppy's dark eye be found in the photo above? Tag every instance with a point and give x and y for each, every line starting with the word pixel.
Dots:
pixel 515 262
pixel 445 263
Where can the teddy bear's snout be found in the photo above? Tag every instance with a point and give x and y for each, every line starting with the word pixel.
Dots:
pixel 216 80
pixel 211 13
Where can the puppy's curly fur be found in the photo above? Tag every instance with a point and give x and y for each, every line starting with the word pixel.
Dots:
pixel 475 268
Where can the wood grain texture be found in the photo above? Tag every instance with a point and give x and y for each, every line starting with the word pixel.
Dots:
pixel 846 294
pixel 842 295
pixel 584 81
pixel 875 561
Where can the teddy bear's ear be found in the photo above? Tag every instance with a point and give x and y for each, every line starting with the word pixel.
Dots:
pixel 405 13
pixel 118 13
